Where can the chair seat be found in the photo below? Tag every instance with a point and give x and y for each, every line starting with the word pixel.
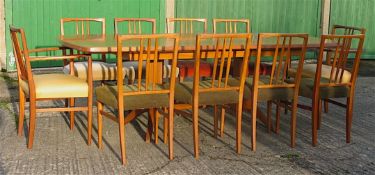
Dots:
pixel 133 67
pixel 267 93
pixel 187 68
pixel 184 94
pixel 264 68
pixel 57 86
pixel 108 95
pixel 310 69
pixel 307 85
pixel 100 70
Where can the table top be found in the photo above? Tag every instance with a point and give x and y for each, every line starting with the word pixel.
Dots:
pixel 108 43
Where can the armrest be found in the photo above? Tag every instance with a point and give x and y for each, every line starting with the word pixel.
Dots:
pixel 47 49
pixel 68 57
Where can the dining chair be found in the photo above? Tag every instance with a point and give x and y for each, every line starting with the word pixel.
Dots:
pixel 144 93
pixel 275 87
pixel 231 25
pixel 189 26
pixel 42 87
pixel 139 26
pixel 83 27
pixel 336 80
pixel 215 89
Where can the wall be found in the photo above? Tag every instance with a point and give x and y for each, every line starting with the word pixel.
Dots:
pixel 356 13
pixel 41 18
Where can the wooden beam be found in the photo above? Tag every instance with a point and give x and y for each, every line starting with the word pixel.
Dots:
pixel 2 36
pixel 326 10
pixel 169 12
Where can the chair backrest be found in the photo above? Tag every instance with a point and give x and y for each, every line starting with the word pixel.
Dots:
pixel 285 47
pixel 225 47
pixel 186 25
pixel 146 48
pixel 134 25
pixel 82 26
pixel 346 45
pixel 21 52
pixel 231 25
pixel 347 30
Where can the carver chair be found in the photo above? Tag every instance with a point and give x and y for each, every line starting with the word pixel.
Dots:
pixel 214 90
pixel 41 87
pixel 144 93
pixel 189 26
pixel 83 27
pixel 275 87
pixel 336 80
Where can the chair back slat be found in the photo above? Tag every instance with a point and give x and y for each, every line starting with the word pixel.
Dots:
pixel 231 25
pixel 134 25
pixel 223 46
pixel 147 55
pixel 186 25
pixel 285 47
pixel 346 45
pixel 82 26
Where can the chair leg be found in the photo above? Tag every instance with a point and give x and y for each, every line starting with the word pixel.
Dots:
pixel 222 121
pixel 156 126
pixel 325 106
pixel 32 122
pixel 253 124
pixel 349 117
pixel 150 124
pixel 22 112
pixel 320 113
pixel 100 125
pixel 170 128
pixel 293 124
pixel 239 127
pixel 195 130
pixel 315 111
pixel 269 113
pixel 89 118
pixel 165 132
pixel 122 136
pixel 215 121
pixel 71 113
pixel 278 111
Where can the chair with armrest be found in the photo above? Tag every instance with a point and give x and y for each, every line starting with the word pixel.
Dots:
pixel 189 26
pixel 145 93
pixel 41 87
pixel 89 26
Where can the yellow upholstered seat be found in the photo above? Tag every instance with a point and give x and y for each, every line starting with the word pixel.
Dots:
pixel 57 86
pixel 309 72
pixel 100 70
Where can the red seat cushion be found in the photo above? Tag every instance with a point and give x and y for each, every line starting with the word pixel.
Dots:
pixel 187 69
pixel 264 69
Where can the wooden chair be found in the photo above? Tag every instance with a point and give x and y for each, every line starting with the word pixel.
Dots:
pixel 189 26
pixel 339 82
pixel 145 93
pixel 89 26
pixel 231 25
pixel 48 86
pixel 274 87
pixel 215 90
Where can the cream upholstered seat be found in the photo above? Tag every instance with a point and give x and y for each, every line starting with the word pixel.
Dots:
pixel 57 86
pixel 100 70
pixel 310 69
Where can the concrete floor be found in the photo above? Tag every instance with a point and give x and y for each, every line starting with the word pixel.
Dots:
pixel 58 150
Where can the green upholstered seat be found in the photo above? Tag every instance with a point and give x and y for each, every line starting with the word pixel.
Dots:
pixel 267 93
pixel 184 94
pixel 108 95
pixel 307 85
